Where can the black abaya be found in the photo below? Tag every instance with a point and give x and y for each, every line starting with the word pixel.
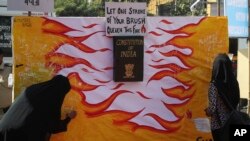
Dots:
pixel 227 87
pixel 36 112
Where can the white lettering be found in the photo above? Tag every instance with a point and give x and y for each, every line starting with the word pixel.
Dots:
pixel 237 3
pixel 241 17
pixel 238 30
pixel 239 132
pixel 243 131
pixel 2 27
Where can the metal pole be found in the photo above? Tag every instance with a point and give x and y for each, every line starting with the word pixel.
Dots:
pixel 175 2
pixel 29 13
pixel 157 7
pixel 218 7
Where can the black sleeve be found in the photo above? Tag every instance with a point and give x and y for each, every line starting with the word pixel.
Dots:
pixel 60 126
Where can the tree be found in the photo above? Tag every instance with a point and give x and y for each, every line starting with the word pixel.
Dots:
pixel 78 8
pixel 182 8
pixel 95 8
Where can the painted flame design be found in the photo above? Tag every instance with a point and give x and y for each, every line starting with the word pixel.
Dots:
pixel 154 104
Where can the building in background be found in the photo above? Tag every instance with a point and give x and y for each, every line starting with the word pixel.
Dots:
pixel 5 12
pixel 153 6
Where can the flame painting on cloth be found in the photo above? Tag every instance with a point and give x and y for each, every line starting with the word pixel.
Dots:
pixel 167 105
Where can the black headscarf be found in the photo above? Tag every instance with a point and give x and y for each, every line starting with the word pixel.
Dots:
pixel 47 98
pixel 39 109
pixel 225 80
pixel 48 95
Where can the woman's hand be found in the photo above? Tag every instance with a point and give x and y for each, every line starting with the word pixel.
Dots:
pixel 207 112
pixel 72 114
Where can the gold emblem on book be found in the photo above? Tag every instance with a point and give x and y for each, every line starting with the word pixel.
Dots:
pixel 129 71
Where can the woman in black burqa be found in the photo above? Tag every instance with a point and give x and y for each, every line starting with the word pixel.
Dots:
pixel 36 113
pixel 223 85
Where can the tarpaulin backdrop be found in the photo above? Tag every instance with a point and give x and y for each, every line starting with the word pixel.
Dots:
pixel 167 105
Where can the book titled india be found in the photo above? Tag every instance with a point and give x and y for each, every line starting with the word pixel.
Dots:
pixel 128 58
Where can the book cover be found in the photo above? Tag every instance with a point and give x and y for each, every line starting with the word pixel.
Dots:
pixel 128 58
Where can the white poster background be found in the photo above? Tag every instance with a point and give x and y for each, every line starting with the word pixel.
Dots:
pixel 31 5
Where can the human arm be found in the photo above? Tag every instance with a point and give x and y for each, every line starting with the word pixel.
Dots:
pixel 62 124
pixel 212 98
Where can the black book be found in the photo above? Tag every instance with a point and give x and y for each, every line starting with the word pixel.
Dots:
pixel 128 58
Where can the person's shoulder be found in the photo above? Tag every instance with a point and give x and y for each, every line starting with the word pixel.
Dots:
pixel 212 84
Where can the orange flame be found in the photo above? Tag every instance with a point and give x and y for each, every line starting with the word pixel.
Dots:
pixel 78 84
pixel 98 109
pixel 60 61
pixel 54 27
pixel 59 29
